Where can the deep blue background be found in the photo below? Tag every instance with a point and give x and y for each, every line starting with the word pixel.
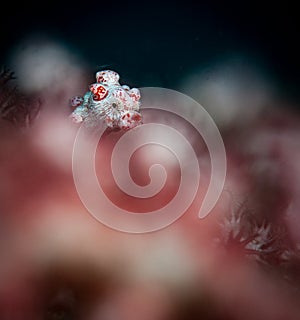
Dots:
pixel 157 43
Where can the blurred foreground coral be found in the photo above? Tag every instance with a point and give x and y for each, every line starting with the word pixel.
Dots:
pixel 241 262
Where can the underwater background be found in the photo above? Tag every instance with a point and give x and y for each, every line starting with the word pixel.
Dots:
pixel 240 62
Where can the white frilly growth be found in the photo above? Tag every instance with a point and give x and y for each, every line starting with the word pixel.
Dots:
pixel 117 105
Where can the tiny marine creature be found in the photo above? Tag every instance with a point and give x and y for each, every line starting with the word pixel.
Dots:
pixel 117 105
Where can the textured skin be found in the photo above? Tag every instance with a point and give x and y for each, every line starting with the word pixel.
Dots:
pixel 117 105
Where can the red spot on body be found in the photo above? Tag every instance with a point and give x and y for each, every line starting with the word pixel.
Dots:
pixel 96 97
pixel 100 79
pixel 136 117
pixel 99 91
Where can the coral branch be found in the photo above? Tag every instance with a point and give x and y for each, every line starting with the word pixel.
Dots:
pixel 16 107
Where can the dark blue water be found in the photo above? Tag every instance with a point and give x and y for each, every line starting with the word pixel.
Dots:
pixel 158 43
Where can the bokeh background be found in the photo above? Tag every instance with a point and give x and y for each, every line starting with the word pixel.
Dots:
pixel 241 62
pixel 160 43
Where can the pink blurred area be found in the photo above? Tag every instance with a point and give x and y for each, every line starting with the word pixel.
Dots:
pixel 58 262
